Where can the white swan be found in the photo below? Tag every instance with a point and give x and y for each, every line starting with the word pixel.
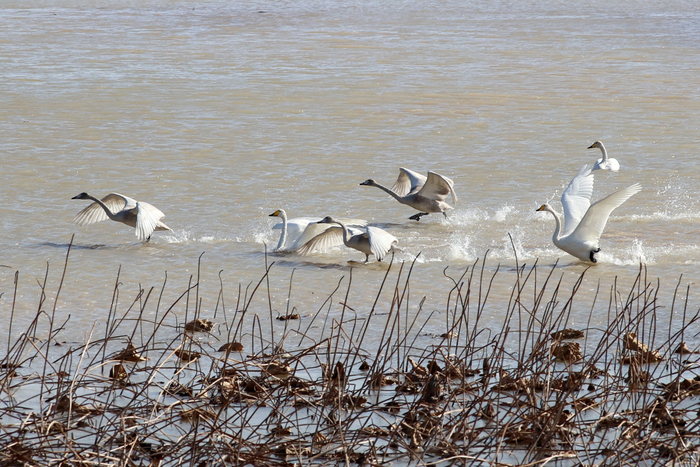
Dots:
pixel 370 241
pixel 584 222
pixel 292 229
pixel 144 217
pixel 426 194
pixel 605 163
pixel 298 231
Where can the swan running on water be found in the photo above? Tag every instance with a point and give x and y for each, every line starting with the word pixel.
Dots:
pixel 584 222
pixel 605 163
pixel 298 231
pixel 426 194
pixel 370 241
pixel 144 217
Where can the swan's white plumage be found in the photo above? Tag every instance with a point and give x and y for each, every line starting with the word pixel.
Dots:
pixel 144 217
pixel 604 163
pixel 298 231
pixel 584 223
pixel 426 194
pixel 370 240
pixel 576 198
pixel 380 241
pixel 328 237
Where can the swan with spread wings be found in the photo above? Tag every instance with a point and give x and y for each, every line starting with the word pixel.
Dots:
pixel 584 222
pixel 425 194
pixel 143 217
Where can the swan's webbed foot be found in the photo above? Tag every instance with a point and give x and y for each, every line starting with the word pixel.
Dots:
pixel 591 255
pixel 416 217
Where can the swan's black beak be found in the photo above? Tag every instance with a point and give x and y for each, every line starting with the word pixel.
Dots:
pixel 592 146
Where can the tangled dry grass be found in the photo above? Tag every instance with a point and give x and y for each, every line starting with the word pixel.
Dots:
pixel 533 393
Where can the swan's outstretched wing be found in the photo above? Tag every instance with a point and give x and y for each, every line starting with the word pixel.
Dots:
pixel 576 199
pixel 147 217
pixel 438 187
pixel 330 236
pixel 295 229
pixel 94 213
pixel 298 224
pixel 408 182
pixel 380 241
pixel 591 226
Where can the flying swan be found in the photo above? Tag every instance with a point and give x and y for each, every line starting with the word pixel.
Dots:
pixel 144 217
pixel 605 163
pixel 426 194
pixel 370 240
pixel 584 222
pixel 298 231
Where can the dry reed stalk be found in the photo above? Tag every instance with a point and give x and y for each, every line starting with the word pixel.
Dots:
pixel 534 392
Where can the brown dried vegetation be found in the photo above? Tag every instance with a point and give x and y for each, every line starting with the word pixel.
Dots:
pixel 463 397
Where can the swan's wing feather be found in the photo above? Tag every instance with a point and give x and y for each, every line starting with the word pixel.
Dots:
pixel 295 229
pixel 576 199
pixel 310 232
pixel 591 226
pixel 438 187
pixel 408 182
pixel 94 213
pixel 354 222
pixel 329 236
pixel 380 241
pixel 298 223
pixel 147 217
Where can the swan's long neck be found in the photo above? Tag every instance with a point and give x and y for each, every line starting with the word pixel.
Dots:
pixel 557 228
pixel 605 153
pixel 283 236
pixel 104 206
pixel 346 233
pixel 391 192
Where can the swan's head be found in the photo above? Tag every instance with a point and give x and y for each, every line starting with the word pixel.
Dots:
pixel 369 182
pixel 544 207
pixel 276 213
pixel 597 144
pixel 327 220
pixel 82 195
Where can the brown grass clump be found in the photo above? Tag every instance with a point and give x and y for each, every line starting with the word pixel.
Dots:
pixel 151 392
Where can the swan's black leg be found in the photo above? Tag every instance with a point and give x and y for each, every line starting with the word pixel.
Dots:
pixel 416 217
pixel 593 252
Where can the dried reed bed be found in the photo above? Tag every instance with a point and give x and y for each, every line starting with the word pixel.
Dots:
pixel 534 393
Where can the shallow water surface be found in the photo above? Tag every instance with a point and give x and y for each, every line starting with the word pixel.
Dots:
pixel 220 113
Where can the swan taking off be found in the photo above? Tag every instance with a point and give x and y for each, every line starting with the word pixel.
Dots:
pixel 426 194
pixel 292 230
pixel 584 222
pixel 370 241
pixel 605 163
pixel 144 217
pixel 298 231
